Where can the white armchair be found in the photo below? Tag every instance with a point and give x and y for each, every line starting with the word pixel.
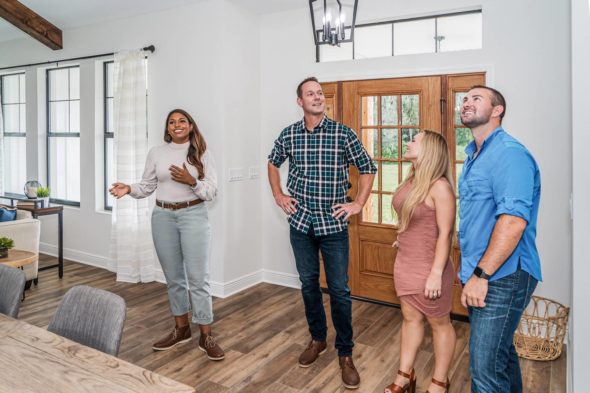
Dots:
pixel 26 233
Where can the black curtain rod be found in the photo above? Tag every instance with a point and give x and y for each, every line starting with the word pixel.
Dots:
pixel 150 48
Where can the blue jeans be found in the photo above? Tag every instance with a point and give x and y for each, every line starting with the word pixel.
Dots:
pixel 493 360
pixel 334 248
pixel 182 240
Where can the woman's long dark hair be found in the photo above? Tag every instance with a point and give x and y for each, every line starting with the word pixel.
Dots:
pixel 197 145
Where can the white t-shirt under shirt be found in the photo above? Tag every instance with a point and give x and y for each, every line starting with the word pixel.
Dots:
pixel 157 177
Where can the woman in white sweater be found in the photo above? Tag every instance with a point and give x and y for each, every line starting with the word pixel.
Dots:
pixel 182 172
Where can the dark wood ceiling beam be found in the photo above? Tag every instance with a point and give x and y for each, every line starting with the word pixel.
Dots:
pixel 31 23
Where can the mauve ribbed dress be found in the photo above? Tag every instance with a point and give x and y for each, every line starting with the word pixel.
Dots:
pixel 415 255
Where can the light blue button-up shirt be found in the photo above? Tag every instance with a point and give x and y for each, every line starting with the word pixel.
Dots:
pixel 502 179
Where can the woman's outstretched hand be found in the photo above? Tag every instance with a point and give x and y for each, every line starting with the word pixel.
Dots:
pixel 119 189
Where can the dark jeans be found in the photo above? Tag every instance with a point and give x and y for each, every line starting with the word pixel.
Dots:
pixel 493 361
pixel 334 250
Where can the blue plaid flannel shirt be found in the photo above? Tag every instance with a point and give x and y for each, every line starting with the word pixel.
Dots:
pixel 318 171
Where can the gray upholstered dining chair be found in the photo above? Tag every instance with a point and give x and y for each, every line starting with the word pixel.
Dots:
pixel 12 285
pixel 92 317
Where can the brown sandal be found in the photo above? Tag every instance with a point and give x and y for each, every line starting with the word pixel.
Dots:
pixel 410 387
pixel 441 384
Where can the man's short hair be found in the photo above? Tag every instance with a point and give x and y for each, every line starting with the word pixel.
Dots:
pixel 300 85
pixel 497 98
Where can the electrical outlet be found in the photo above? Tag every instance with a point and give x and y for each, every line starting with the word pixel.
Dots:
pixel 236 174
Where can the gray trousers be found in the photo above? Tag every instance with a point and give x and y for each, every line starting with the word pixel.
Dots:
pixel 182 238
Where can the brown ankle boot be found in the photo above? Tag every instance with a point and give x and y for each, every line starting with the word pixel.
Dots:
pixel 177 336
pixel 208 345
pixel 350 377
pixel 312 352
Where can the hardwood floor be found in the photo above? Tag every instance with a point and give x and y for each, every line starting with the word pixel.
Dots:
pixel 263 330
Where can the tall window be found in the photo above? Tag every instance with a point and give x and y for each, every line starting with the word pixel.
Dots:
pixel 63 134
pixel 109 133
pixel 109 128
pixel 12 98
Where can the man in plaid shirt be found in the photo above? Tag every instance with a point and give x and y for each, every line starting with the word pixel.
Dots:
pixel 320 151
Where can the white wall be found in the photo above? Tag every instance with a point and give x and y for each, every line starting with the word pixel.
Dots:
pixel 241 90
pixel 579 340
pixel 195 68
pixel 526 53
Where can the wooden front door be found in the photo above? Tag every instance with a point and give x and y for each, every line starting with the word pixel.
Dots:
pixel 386 114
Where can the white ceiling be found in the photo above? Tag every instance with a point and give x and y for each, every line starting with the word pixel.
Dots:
pixel 68 14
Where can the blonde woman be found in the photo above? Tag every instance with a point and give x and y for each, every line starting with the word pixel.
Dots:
pixel 423 272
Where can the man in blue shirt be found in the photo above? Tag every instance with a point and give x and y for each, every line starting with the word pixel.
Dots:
pixel 499 191
pixel 320 152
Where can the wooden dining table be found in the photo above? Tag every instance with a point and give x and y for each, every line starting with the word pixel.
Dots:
pixel 33 359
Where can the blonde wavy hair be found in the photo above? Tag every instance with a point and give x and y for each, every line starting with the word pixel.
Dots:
pixel 433 163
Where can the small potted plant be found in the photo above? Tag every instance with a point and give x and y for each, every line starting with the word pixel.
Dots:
pixel 43 194
pixel 6 243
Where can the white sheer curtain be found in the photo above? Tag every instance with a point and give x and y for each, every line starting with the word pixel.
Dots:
pixel 1 149
pixel 132 252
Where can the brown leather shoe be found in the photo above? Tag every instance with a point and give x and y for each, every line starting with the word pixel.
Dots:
pixel 350 377
pixel 312 352
pixel 208 345
pixel 177 336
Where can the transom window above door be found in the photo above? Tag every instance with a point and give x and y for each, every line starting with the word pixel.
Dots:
pixel 388 123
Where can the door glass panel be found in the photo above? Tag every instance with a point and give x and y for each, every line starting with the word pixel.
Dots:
pixel 458 104
pixel 406 166
pixel 389 110
pixel 388 215
pixel 370 139
pixel 407 135
pixel 389 144
pixel 462 138
pixel 371 209
pixel 389 176
pixel 370 110
pixel 376 179
pixel 410 110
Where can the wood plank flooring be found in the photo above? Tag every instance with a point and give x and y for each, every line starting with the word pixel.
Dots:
pixel 263 330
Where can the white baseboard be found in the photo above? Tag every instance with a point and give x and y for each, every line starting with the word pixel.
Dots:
pixel 236 285
pixel 218 289
pixel 280 278
pixel 75 255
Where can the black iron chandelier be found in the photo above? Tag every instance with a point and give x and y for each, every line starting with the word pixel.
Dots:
pixel 333 21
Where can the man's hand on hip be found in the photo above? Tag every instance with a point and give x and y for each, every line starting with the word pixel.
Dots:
pixel 287 203
pixel 474 292
pixel 345 210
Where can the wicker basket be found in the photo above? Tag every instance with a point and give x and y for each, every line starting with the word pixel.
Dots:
pixel 541 329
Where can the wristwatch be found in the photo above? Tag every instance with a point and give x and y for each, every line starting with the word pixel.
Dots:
pixel 480 273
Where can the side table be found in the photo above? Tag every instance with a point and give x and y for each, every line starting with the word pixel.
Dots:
pixel 18 258
pixel 45 211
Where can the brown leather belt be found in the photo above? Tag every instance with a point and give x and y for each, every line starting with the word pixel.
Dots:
pixel 178 205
